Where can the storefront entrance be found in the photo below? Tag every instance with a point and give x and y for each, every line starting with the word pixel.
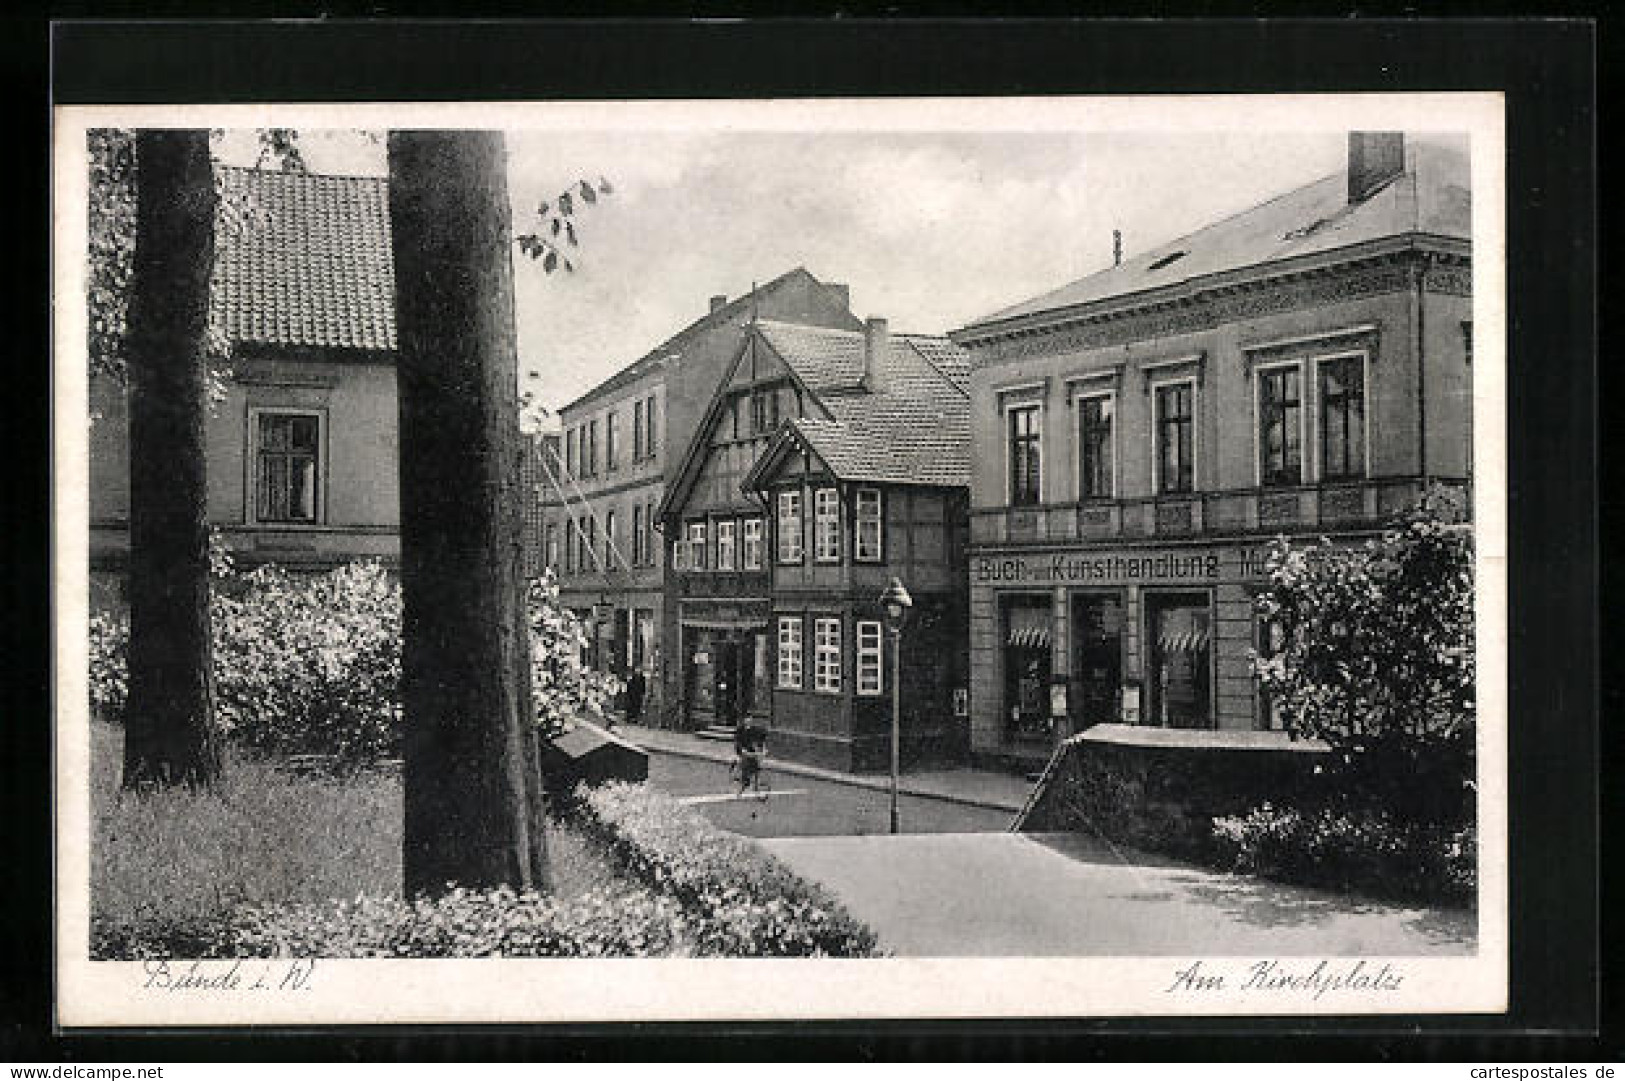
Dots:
pixel 725 676
pixel 1180 647
pixel 1097 659
pixel 1027 667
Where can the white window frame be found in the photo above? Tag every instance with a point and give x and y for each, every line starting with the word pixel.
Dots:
pixel 1078 401
pixel 1008 406
pixel 858 520
pixel 789 547
pixel 827 655
pixel 696 545
pixel 1306 448
pixel 751 556
pixel 726 532
pixel 871 658
pixel 826 524
pixel 251 490
pixel 1365 412
pixel 790 658
pixel 1196 435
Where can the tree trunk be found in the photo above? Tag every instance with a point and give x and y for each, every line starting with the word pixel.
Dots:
pixel 465 688
pixel 169 734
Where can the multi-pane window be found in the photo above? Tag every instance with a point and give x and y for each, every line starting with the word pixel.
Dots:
pixel 826 654
pixel 650 438
pixel 570 439
pixel 609 539
pixel 650 548
pixel 725 546
pixel 868 530
pixel 611 451
pixel 1342 417
pixel 1175 448
pixel 1095 465
pixel 764 411
pixel 696 546
pixel 639 554
pixel 286 466
pixel 570 547
pixel 550 550
pixel 753 544
pixel 789 527
pixel 790 651
pixel 871 677
pixel 1025 434
pixel 589 454
pixel 1280 426
pixel 589 546
pixel 637 430
pixel 827 525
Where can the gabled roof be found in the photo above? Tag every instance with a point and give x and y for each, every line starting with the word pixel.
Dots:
pixel 659 355
pixel 1431 198
pixel 305 260
pixel 915 429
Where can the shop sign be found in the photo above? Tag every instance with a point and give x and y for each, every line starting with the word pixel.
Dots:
pixel 1121 568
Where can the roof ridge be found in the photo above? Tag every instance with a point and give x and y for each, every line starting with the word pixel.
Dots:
pixel 299 174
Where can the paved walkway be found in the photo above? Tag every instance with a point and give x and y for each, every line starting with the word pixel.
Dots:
pixel 972 787
pixel 1048 895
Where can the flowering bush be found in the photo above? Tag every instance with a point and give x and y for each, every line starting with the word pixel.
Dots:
pixel 109 671
pixel 1360 851
pixel 461 923
pixel 561 686
pixel 1374 655
pixel 311 664
pixel 741 901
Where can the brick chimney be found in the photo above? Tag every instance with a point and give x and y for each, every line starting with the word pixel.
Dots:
pixel 876 338
pixel 719 301
pixel 1375 157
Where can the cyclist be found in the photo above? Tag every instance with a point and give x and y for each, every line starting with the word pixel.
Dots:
pixel 750 748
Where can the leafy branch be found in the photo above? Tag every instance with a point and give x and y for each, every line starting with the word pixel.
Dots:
pixel 556 231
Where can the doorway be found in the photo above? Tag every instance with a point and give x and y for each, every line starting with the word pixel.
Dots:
pixel 1097 659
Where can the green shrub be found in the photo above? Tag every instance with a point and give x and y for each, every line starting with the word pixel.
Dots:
pixel 740 900
pixel 1357 851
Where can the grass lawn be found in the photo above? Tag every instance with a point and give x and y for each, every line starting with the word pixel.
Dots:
pixel 264 836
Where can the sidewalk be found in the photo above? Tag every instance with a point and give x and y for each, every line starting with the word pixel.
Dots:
pixel 972 787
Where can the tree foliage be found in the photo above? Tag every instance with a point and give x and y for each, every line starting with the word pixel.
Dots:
pixel 1372 652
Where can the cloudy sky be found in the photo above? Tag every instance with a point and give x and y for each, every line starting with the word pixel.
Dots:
pixel 929 229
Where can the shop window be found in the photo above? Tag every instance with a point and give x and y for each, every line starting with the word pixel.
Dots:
pixel 827 655
pixel 1270 640
pixel 790 652
pixel 1025 454
pixel 1096 467
pixel 1342 417
pixel 725 546
pixel 870 545
pixel 753 544
pixel 871 667
pixel 1179 630
pixel 287 467
pixel 1028 668
pixel 788 527
pixel 1280 427
pixel 1176 467
pixel 827 525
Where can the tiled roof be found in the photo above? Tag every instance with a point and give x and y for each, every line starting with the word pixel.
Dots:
pixel 660 354
pixel 1432 197
pixel 915 429
pixel 305 260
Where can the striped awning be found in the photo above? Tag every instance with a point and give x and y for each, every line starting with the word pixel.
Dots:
pixel 1191 641
pixel 1029 637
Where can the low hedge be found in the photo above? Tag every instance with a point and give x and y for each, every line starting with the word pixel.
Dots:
pixel 461 923
pixel 741 901
pixel 1353 850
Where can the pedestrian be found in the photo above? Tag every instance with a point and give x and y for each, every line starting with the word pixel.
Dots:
pixel 750 748
pixel 635 689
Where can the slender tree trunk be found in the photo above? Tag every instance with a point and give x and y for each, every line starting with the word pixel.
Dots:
pixel 469 774
pixel 169 729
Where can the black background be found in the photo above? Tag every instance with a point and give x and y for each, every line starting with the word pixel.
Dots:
pixel 1547 70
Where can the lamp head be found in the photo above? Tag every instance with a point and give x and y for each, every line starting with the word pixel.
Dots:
pixel 896 602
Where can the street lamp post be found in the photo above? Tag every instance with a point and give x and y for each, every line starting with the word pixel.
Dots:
pixel 895 603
